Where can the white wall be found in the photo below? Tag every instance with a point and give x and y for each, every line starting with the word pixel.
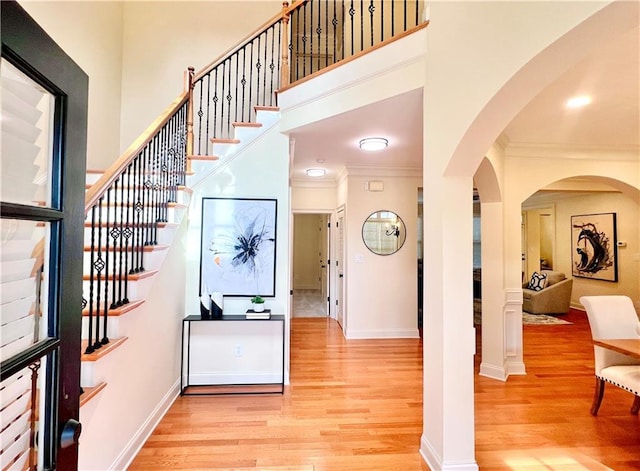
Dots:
pixel 382 290
pixel 162 39
pixel 259 171
pixel 91 34
pixel 628 219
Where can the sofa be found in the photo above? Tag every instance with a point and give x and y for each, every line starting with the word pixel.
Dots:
pixel 554 298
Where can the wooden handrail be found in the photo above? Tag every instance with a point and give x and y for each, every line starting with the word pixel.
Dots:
pixel 112 173
pixel 286 9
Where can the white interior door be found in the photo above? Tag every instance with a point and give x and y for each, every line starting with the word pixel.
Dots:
pixel 339 270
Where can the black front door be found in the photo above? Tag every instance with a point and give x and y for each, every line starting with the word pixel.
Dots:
pixel 44 124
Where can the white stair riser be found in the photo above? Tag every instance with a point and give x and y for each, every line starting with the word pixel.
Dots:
pixel 113 326
pixel 181 196
pixel 150 260
pixel 164 235
pixel 136 289
pixel 115 215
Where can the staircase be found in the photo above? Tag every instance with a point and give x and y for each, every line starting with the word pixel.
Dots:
pixel 100 336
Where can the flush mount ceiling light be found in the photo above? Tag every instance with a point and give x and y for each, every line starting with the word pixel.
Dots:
pixel 316 172
pixel 373 143
pixel 578 101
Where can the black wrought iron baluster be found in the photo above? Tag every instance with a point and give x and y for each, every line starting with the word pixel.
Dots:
pixel 236 115
pixel 417 14
pixel 206 135
pixel 382 20
pixel 404 14
pixel 311 26
pixel 157 157
pixel 393 18
pixel 319 34
pixel 371 9
pixel 92 252
pixel 304 41
pixel 352 12
pixel 243 81
pixel 279 63
pixel 200 115
pixel 127 232
pixel 265 67
pixel 229 98
pixel 145 194
pixel 99 266
pixel 334 22
pixel 137 208
pixel 222 98
pixel 361 25
pixel 326 33
pixel 107 273
pixel 272 65
pixel 115 233
pixel 122 276
pixel 215 104
pixel 164 173
pixel 250 77
pixel 258 68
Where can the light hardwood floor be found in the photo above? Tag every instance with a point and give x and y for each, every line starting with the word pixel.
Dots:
pixel 357 405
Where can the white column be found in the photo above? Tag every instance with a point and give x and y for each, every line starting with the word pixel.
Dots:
pixel 493 363
pixel 449 336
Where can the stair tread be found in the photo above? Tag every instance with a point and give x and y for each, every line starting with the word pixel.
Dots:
pixel 131 277
pixel 119 311
pixel 217 140
pixel 101 352
pixel 241 124
pixel 266 108
pixel 211 158
pixel 90 392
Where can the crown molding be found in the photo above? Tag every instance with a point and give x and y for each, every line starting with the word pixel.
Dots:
pixel 554 151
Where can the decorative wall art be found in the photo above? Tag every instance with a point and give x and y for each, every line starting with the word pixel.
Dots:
pixel 594 250
pixel 238 246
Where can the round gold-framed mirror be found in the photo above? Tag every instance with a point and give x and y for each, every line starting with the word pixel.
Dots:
pixel 384 232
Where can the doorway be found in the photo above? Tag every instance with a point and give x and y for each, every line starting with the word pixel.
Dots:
pixel 311 274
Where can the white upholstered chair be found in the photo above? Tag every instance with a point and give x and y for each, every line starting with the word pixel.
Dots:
pixel 613 317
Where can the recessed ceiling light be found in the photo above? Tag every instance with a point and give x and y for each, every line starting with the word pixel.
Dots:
pixel 578 101
pixel 373 143
pixel 316 172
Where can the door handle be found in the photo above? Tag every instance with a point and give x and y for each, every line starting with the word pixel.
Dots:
pixel 341 275
pixel 70 433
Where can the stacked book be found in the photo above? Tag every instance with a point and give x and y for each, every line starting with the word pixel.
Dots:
pixel 251 314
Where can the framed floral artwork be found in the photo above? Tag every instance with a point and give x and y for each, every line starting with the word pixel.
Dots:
pixel 594 246
pixel 238 246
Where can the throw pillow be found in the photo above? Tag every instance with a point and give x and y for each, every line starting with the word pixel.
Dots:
pixel 538 281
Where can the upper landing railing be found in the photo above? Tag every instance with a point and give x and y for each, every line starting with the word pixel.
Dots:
pixel 301 40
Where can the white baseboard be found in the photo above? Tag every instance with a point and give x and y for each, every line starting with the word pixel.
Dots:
pixel 199 379
pixel 383 334
pixel 493 371
pixel 130 451
pixel 516 368
pixel 434 461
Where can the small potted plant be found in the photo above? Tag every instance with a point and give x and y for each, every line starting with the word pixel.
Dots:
pixel 258 303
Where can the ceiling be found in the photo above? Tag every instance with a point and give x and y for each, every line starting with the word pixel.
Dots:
pixel 610 75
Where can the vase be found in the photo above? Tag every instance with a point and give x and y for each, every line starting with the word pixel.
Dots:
pixel 258 307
